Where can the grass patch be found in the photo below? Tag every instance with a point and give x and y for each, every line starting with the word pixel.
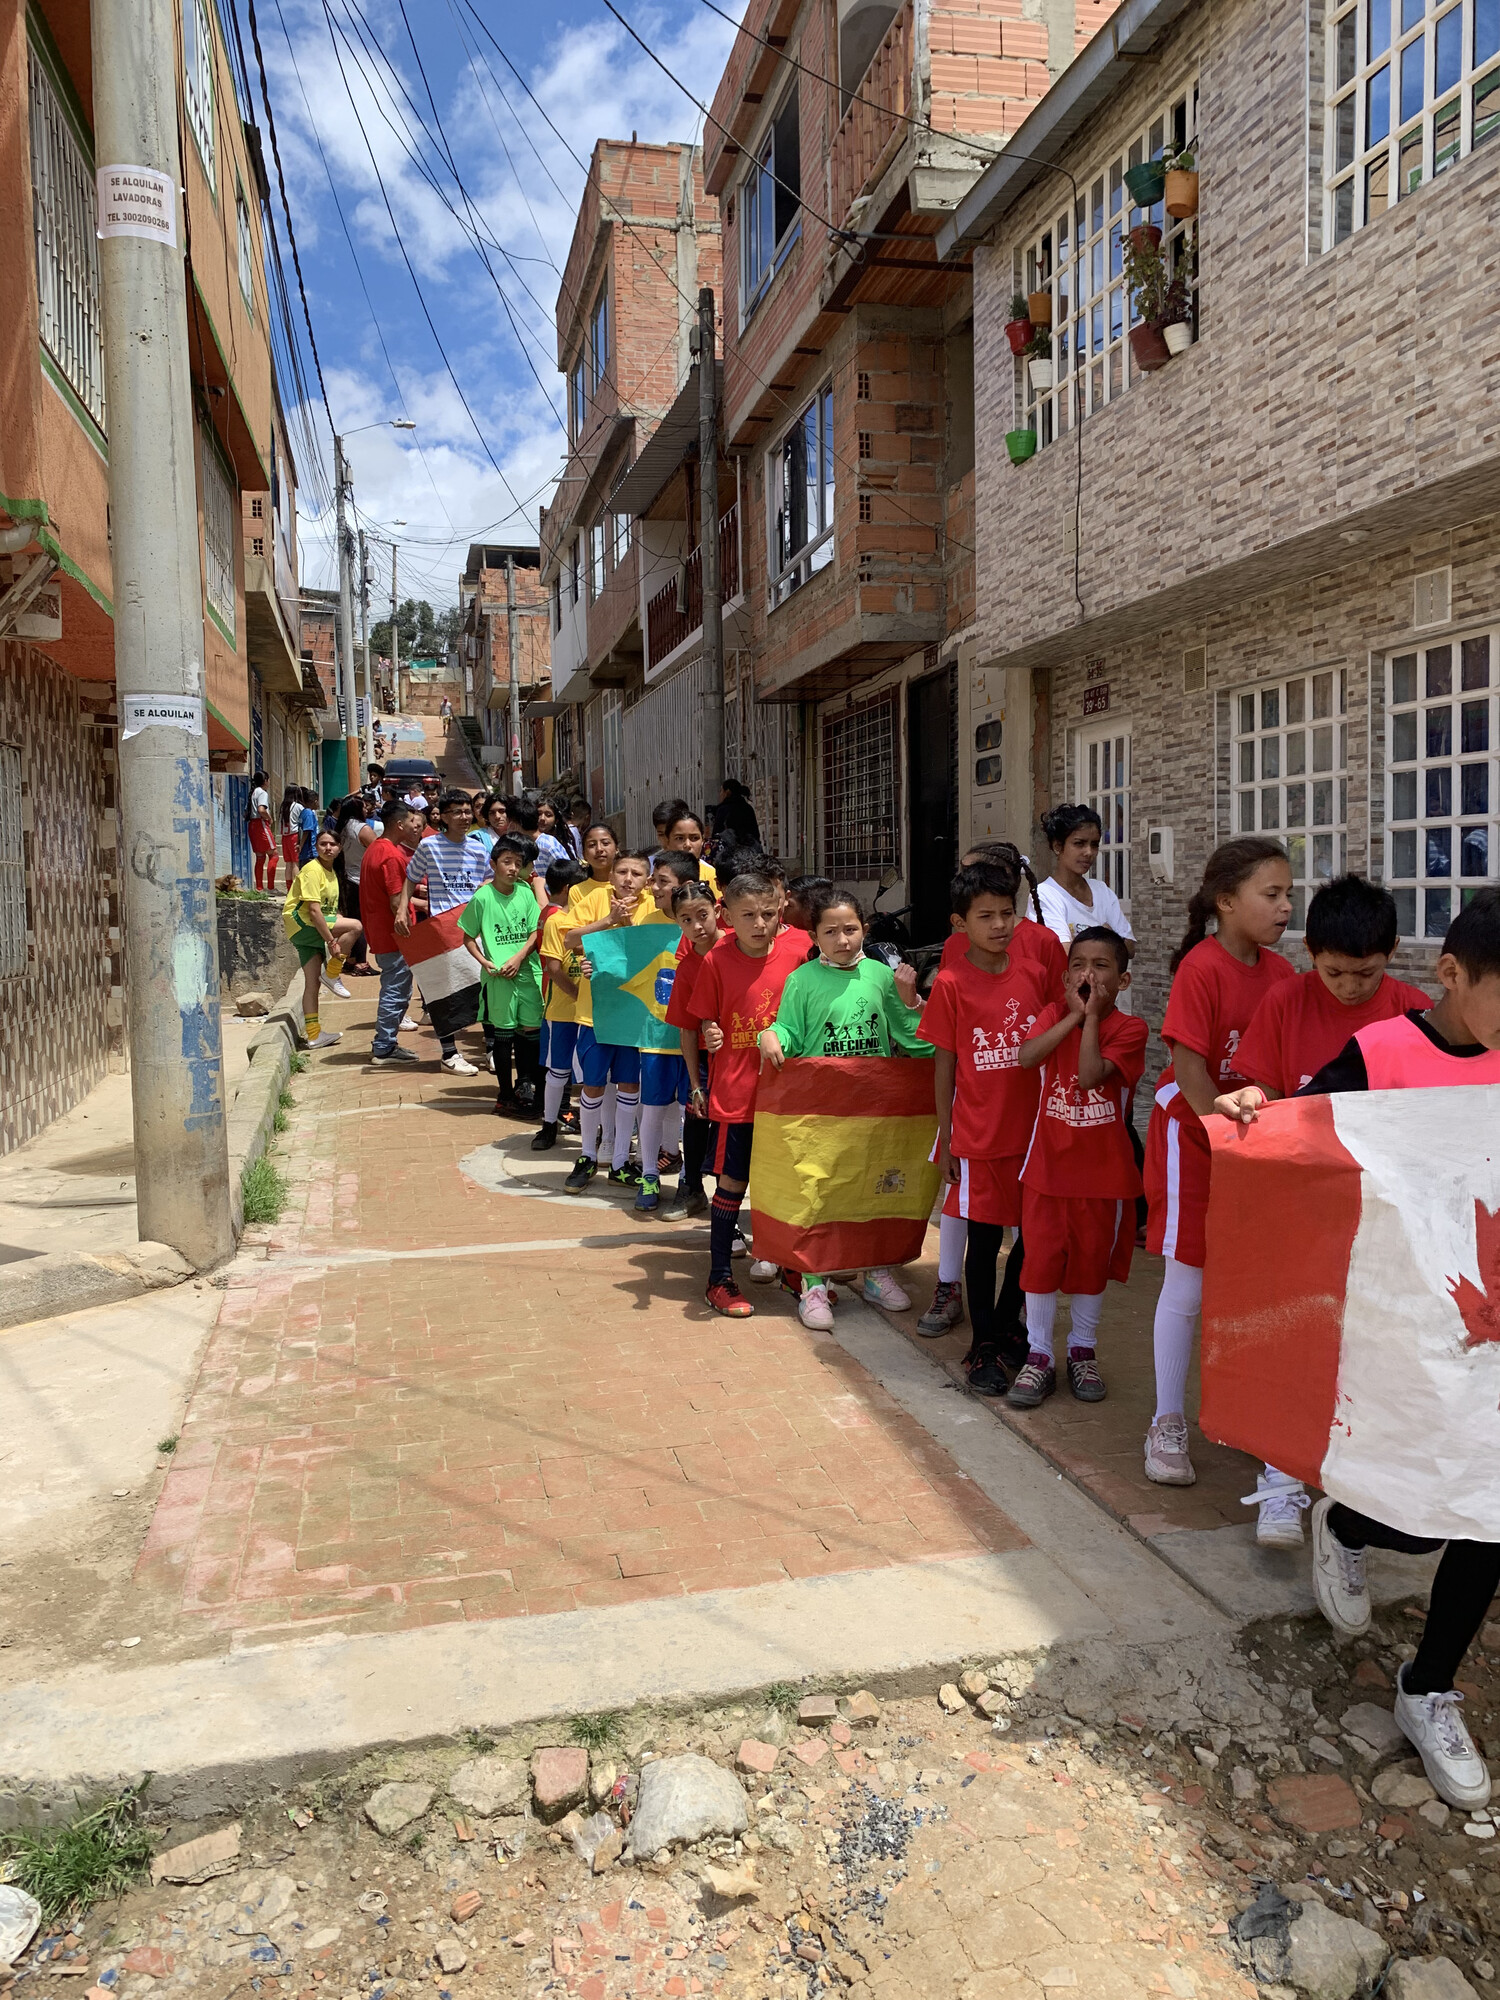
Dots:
pixel 285 1100
pixel 478 1742
pixel 298 1062
pixel 264 1191
pixel 279 1121
pixel 102 1854
pixel 594 1732
pixel 168 1445
pixel 783 1697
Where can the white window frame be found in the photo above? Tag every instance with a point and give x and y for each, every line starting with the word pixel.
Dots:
pixel 64 211
pixel 246 245
pixel 794 566
pixel 612 740
pixel 578 399
pixel 218 534
pixel 198 78
pixel 15 957
pixel 1370 41
pixel 1102 754
pixel 1422 815
pixel 575 568
pixel 599 338
pixel 763 248
pixel 596 561
pixel 620 538
pixel 1289 773
pixel 1079 258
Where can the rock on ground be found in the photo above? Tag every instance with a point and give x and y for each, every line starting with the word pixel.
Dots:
pixel 1427 1979
pixel 1402 1789
pixel 1332 1958
pixel 489 1785
pixel 1376 1726
pixel 559 1779
pixel 396 1806
pixel 683 1800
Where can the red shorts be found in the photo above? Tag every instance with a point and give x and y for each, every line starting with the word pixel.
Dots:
pixel 1075 1243
pixel 1176 1177
pixel 260 838
pixel 987 1191
pixel 289 846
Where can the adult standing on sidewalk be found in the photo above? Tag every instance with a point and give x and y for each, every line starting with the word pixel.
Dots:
pixel 382 877
pixel 445 710
pixel 452 864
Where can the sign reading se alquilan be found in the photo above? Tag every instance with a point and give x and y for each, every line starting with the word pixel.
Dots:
pixel 137 201
pixel 161 711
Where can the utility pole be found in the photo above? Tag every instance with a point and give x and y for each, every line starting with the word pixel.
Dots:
pixel 364 647
pixel 166 805
pixel 708 554
pixel 395 637
pixel 346 625
pixel 515 672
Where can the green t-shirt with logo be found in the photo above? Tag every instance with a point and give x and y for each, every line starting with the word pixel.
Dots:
pixel 502 925
pixel 830 1010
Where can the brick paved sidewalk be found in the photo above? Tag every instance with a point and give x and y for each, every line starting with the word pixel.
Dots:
pixel 380 1441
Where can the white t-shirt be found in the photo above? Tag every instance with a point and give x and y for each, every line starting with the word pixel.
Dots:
pixel 1065 916
pixel 260 801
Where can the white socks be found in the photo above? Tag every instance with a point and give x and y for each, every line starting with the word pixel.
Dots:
pixel 953 1237
pixel 1041 1313
pixel 1087 1307
pixel 1176 1311
pixel 625 1106
pixel 671 1131
pixel 590 1123
pixel 652 1117
pixel 552 1095
pixel 607 1125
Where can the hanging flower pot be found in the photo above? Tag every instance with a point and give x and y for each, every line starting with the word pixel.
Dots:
pixel 1181 193
pixel 1145 236
pixel 1039 308
pixel 1018 332
pixel 1041 375
pixel 1146 182
pixel 1021 445
pixel 1148 349
pixel 1178 336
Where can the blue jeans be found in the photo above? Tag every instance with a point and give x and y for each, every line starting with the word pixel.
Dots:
pixel 395 992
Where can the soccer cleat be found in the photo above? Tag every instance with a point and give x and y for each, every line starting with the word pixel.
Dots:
pixel 584 1170
pixel 945 1312
pixel 336 986
pixel 457 1065
pixel 627 1176
pixel 686 1203
pixel 1340 1584
pixel 403 1057
pixel 1084 1378
pixel 1433 1726
pixel 546 1138
pixel 726 1297
pixel 987 1376
pixel 881 1289
pixel 762 1271
pixel 1281 1502
pixel 813 1309
pixel 1167 1461
pixel 648 1195
pixel 327 1039
pixel 1034 1383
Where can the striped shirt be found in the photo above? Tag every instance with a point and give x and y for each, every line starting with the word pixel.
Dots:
pixel 452 870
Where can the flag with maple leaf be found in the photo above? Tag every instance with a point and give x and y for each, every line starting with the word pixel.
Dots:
pixel 1351 1301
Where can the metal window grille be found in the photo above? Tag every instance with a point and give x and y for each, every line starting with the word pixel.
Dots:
pixel 562 742
pixel 65 217
pixel 1442 779
pixel 860 806
pixel 198 79
pixel 612 724
pixel 12 867
pixel 1291 774
pixel 1104 784
pixel 218 533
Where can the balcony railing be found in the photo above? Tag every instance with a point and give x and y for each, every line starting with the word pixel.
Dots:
pixel 875 123
pixel 676 611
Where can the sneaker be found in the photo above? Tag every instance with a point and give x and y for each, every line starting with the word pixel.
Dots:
pixel 584 1170
pixel 507 1107
pixel 1433 1726
pixel 727 1298
pixel 667 1163
pixel 337 986
pixel 762 1271
pixel 408 1026
pixel 1084 1378
pixel 327 1039
pixel 987 1376
pixel 648 1195
pixel 1339 1582
pixel 739 1248
pixel 627 1176
pixel 1281 1502
pixel 489 1063
pixel 1167 1461
pixel 686 1203
pixel 568 1121
pixel 813 1309
pixel 546 1139
pixel 457 1065
pixel 945 1312
pixel 1034 1383
pixel 1015 1347
pixel 881 1289
pixel 402 1056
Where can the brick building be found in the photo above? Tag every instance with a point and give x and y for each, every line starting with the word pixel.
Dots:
pixel 1280 608
pixel 839 143
pixel 646 239
pixel 501 591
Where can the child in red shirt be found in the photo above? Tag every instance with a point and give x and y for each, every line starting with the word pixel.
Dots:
pixel 982 1007
pixel 697 911
pixel 1080 1181
pixel 1217 985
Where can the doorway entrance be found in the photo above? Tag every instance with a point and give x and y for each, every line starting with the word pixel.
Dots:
pixel 933 831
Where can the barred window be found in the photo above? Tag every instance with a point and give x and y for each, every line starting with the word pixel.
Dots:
pixel 218 534
pixel 198 78
pixel 64 219
pixel 612 729
pixel 1442 780
pixel 562 743
pixel 1291 767
pixel 860 807
pixel 12 866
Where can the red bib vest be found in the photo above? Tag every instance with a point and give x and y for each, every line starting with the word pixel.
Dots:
pixel 1398 1056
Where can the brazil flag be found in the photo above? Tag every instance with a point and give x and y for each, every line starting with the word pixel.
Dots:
pixel 632 983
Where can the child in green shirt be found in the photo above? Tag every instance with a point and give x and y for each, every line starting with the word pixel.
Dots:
pixel 499 923
pixel 842 1004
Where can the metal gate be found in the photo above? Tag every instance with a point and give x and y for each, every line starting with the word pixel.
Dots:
pixel 664 750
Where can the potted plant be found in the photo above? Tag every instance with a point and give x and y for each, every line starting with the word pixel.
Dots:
pixel 1039 308
pixel 1145 235
pixel 1146 182
pixel 1039 360
pixel 1181 189
pixel 1148 279
pixel 1021 445
pixel 1177 316
pixel 1018 328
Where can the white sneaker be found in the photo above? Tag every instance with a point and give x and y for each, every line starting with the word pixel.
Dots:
pixel 337 986
pixel 408 1026
pixel 457 1065
pixel 1282 1502
pixel 739 1247
pixel 1167 1461
pixel 1338 1577
pixel 762 1271
pixel 813 1309
pixel 327 1039
pixel 1432 1724
pixel 881 1289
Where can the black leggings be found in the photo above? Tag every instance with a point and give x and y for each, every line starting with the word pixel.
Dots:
pixel 697 1134
pixel 994 1320
pixel 1466 1581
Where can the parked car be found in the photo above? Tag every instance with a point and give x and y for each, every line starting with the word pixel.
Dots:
pixel 403 774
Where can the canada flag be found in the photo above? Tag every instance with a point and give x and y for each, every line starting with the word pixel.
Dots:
pixel 1351 1301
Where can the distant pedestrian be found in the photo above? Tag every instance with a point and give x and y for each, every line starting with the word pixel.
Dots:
pixel 318 934
pixel 445 710
pixel 262 833
pixel 736 814
pixel 307 827
pixel 382 877
pixel 580 818
pixel 291 814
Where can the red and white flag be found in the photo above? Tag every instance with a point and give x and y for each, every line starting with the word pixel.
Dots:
pixel 447 975
pixel 1351 1301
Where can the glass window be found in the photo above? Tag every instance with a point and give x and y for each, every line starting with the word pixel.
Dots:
pixel 247 263
pixel 198 78
pixel 860 806
pixel 612 730
pixel 799 492
pixel 578 398
pixel 1275 753
pixel 599 338
pixel 596 560
pixel 1442 786
pixel 1104 783
pixel 770 203
pixel 64 216
pixel 218 533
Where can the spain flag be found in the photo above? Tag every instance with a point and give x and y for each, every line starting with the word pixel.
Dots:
pixel 841 1176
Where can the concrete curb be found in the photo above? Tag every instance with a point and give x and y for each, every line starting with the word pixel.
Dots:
pixel 252 1112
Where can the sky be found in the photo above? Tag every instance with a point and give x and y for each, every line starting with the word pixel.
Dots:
pixel 481 472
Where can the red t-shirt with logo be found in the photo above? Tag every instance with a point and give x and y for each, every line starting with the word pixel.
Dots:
pixel 1300 1026
pixel 1213 1000
pixel 742 994
pixel 689 964
pixel 1030 941
pixel 1081 1145
pixel 382 872
pixel 983 1018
